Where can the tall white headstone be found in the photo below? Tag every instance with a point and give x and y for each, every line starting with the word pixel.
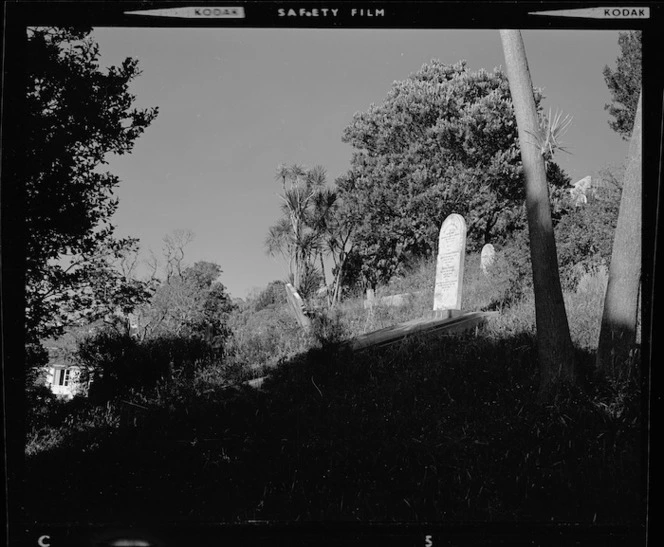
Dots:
pixel 450 263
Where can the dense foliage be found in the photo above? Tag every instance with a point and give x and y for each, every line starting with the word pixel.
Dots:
pixel 584 239
pixel 314 224
pixel 77 114
pixel 181 328
pixel 624 83
pixel 442 141
pixel 272 295
pixel 192 304
pixel 117 364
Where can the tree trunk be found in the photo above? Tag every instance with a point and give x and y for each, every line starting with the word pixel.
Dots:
pixel 322 271
pixel 618 331
pixel 554 344
pixel 338 278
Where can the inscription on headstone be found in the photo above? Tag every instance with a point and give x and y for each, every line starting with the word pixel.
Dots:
pixel 450 264
pixel 487 258
pixel 297 305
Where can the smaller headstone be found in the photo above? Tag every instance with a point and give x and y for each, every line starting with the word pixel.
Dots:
pixel 581 199
pixel 487 258
pixel 297 306
pixel 449 266
pixel 580 191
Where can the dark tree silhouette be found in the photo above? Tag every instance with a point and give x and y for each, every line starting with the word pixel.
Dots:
pixel 624 83
pixel 77 114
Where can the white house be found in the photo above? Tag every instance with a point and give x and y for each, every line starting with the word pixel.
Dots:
pixel 64 378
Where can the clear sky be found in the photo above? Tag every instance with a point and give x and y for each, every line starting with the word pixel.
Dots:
pixel 236 103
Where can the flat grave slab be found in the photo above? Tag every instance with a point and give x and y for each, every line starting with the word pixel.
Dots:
pixel 421 326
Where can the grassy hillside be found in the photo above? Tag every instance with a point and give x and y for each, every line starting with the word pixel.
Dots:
pixel 427 430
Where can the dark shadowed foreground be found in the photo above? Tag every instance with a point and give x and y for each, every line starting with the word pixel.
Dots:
pixel 447 430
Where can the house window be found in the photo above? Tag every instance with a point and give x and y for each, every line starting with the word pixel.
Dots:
pixel 62 377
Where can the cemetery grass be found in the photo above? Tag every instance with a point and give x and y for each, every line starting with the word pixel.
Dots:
pixel 444 430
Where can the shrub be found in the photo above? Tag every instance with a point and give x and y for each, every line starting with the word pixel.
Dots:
pixel 584 308
pixel 584 239
pixel 72 424
pixel 328 327
pixel 260 339
pixel 117 362
pixel 518 267
pixel 489 291
pixel 273 295
pixel 112 361
pixel 43 407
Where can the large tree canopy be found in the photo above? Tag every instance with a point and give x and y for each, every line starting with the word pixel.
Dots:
pixel 442 141
pixel 624 83
pixel 77 115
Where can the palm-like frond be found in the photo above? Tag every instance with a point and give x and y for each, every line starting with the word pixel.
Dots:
pixel 551 130
pixel 279 239
pixel 556 127
pixel 297 171
pixel 316 176
pixel 282 172
pixel 309 243
pixel 295 200
pixel 322 204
